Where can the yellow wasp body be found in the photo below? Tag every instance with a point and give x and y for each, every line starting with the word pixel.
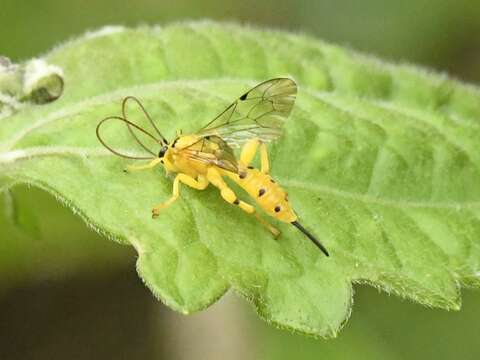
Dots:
pixel 207 157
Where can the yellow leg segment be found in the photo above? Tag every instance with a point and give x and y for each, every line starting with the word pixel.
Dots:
pixel 275 232
pixel 248 153
pixel 151 164
pixel 200 184
pixel 229 196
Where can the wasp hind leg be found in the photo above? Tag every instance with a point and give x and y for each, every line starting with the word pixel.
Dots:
pixel 200 184
pixel 275 232
pixel 248 153
pixel 229 196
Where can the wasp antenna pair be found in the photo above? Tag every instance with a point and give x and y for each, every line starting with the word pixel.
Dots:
pixel 130 125
pixel 147 115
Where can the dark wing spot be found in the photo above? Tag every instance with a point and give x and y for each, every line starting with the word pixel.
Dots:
pixel 242 175
pixel 261 192
pixel 244 96
pixel 272 181
pixel 236 202
pixel 250 167
pixel 277 208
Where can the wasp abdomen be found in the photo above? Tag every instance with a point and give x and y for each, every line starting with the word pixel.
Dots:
pixel 267 193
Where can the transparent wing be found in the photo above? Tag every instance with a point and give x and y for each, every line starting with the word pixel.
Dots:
pixel 212 150
pixel 259 113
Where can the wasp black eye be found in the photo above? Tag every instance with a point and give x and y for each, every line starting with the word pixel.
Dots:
pixel 162 151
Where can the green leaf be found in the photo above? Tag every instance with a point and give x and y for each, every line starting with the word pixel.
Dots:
pixel 40 239
pixel 381 162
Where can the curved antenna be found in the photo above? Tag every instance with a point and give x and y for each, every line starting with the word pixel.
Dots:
pixel 124 113
pixel 128 125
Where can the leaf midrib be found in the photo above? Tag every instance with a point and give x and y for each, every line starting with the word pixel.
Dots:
pixel 35 152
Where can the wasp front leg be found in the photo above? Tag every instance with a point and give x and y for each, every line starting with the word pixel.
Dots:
pixel 248 153
pixel 151 164
pixel 200 184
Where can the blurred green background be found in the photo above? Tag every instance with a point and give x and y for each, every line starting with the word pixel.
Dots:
pixel 67 293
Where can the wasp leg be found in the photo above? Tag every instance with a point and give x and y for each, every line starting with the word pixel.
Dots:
pixel 151 164
pixel 200 184
pixel 275 232
pixel 248 153
pixel 229 196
